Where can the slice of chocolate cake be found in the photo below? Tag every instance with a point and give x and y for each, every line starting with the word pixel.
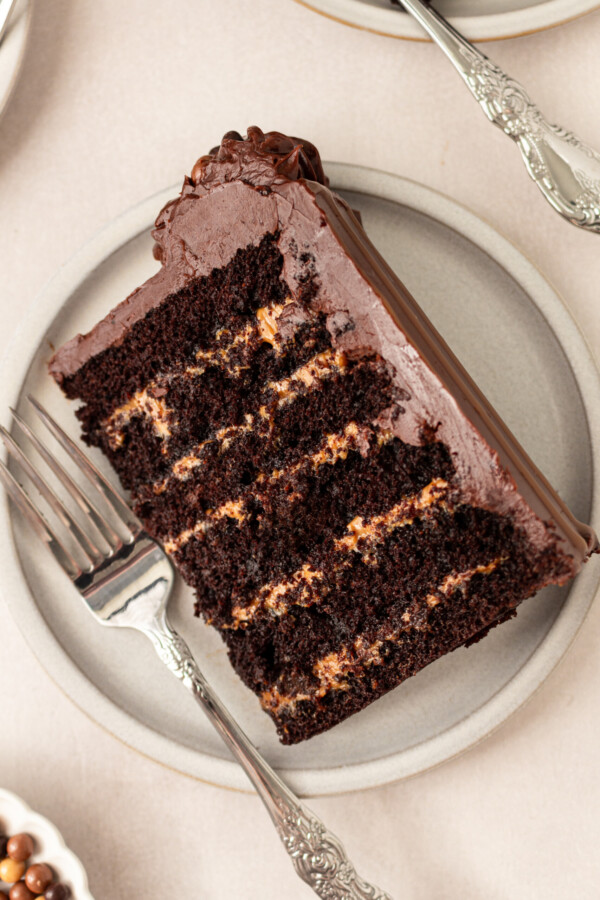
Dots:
pixel 320 468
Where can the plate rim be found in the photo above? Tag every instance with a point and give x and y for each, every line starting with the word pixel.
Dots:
pixel 25 31
pixel 346 778
pixel 492 27
pixel 81 888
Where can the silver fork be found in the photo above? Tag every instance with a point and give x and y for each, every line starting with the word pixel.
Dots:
pixel 125 580
pixel 566 170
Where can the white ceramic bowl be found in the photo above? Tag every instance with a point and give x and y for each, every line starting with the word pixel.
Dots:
pixel 16 817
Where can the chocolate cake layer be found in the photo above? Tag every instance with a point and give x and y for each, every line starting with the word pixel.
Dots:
pixel 322 471
pixel 270 535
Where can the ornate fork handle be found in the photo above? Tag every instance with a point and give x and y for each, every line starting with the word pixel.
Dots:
pixel 565 169
pixel 318 855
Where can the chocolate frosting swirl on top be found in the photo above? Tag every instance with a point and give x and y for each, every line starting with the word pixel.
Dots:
pixel 262 160
pixel 259 159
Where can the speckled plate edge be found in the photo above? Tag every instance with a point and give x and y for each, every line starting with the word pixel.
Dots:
pixel 492 27
pixel 17 34
pixel 332 780
pixel 50 847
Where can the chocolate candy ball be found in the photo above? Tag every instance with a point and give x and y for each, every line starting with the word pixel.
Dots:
pixel 58 891
pixel 20 847
pixel 20 891
pixel 38 877
pixel 11 870
pixel 3 843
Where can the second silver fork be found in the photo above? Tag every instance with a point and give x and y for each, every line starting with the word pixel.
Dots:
pixel 125 579
pixel 565 169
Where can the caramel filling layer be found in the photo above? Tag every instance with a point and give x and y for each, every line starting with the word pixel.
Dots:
pixel 186 464
pixel 400 515
pixel 272 596
pixel 277 597
pixel 324 365
pixel 335 447
pixel 233 509
pixel 453 582
pixel 143 403
pixel 332 671
pixel 267 323
pixel 319 367
pixel 146 402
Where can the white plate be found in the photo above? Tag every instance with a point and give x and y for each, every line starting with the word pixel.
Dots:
pixel 477 20
pixel 512 332
pixel 16 817
pixel 12 49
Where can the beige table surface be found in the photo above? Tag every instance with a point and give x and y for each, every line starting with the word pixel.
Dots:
pixel 116 100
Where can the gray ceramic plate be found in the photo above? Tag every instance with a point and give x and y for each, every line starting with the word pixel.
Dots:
pixel 12 49
pixel 478 20
pixel 514 335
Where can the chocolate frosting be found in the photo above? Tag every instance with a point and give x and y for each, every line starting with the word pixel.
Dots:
pixel 192 239
pixel 259 159
pixel 273 184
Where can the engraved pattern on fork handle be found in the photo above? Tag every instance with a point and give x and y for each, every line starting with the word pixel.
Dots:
pixel 318 855
pixel 566 170
pixel 507 104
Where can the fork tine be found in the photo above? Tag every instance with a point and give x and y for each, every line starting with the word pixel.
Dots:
pixel 89 469
pixel 38 523
pixel 107 532
pixel 91 553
